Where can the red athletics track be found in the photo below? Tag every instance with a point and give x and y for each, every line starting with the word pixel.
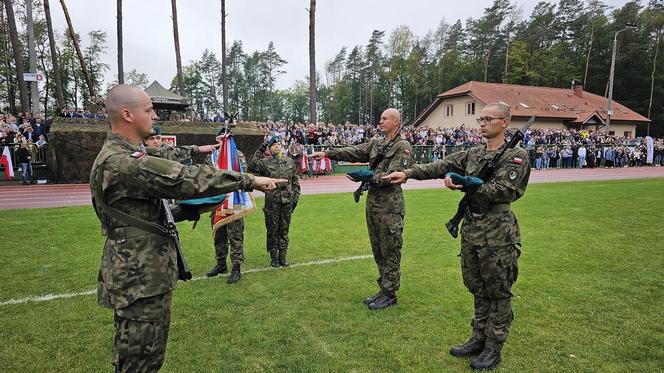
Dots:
pixel 57 195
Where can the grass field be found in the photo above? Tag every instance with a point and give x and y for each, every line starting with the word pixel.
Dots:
pixel 589 296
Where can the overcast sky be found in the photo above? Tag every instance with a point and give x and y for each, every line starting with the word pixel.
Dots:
pixel 148 33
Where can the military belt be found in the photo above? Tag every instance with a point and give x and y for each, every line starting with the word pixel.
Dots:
pixel 117 234
pixel 496 207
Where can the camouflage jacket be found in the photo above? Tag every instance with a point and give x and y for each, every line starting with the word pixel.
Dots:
pixel 182 154
pixel 490 221
pixel 383 196
pixel 277 167
pixel 136 264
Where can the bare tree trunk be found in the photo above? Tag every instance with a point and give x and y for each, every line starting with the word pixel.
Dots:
pixel 11 97
pixel 34 85
pixel 176 38
pixel 313 118
pixel 590 48
pixel 652 77
pixel 224 75
pixel 486 63
pixel 507 60
pixel 72 34
pixel 120 47
pixel 54 59
pixel 16 47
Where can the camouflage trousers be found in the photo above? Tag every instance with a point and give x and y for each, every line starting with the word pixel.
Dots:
pixel 489 273
pixel 277 223
pixel 385 235
pixel 233 234
pixel 141 333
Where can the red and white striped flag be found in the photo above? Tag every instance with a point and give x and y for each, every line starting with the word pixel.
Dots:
pixel 6 160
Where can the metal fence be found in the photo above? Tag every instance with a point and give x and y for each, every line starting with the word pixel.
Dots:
pixel 38 154
pixel 596 155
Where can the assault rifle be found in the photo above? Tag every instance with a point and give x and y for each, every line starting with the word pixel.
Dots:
pixel 183 269
pixel 485 173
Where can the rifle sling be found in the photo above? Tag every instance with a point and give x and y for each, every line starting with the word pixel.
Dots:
pixel 132 221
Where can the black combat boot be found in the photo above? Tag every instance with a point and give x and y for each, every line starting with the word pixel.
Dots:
pixel 218 269
pixel 274 258
pixel 488 359
pixel 373 298
pixel 235 274
pixel 282 258
pixel 471 347
pixel 387 299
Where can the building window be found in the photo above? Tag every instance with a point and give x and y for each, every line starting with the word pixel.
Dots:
pixel 628 134
pixel 449 111
pixel 470 108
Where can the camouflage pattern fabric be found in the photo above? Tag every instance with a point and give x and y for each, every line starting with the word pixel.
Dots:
pixel 385 207
pixel 182 153
pixel 141 334
pixel 279 202
pixel 233 234
pixel 489 273
pixel 136 264
pixel 489 235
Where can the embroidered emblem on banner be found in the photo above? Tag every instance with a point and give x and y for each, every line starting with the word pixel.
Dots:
pixel 512 175
pixel 405 161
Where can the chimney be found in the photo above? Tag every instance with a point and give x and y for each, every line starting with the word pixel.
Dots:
pixel 577 88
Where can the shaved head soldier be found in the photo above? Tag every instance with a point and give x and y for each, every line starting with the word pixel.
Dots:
pixel 138 267
pixel 385 205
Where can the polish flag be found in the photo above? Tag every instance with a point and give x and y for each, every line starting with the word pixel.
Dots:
pixel 6 160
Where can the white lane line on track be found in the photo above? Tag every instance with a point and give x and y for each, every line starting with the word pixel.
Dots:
pixel 50 297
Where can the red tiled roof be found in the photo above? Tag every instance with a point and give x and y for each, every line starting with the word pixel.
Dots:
pixel 541 101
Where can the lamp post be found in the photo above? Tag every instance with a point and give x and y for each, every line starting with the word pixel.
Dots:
pixel 609 112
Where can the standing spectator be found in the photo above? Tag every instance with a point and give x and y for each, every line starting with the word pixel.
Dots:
pixel 24 157
pixel 582 155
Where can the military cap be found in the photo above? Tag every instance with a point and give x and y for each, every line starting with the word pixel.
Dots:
pixel 273 140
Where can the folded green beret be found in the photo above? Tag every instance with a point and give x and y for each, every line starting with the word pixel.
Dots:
pixel 203 204
pixel 361 175
pixel 466 181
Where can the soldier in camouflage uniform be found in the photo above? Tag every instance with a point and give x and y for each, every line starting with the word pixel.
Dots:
pixel 385 208
pixel 231 233
pixel 138 269
pixel 279 203
pixel 490 236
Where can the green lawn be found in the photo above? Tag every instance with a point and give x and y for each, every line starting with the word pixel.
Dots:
pixel 589 296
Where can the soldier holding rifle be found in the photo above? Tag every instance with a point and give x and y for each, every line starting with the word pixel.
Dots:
pixel 490 233
pixel 140 263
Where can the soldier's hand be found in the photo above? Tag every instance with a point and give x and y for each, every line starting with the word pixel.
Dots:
pixel 205 149
pixel 318 155
pixel 450 185
pixel 396 177
pixel 266 184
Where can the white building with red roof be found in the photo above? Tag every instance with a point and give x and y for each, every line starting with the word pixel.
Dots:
pixel 555 108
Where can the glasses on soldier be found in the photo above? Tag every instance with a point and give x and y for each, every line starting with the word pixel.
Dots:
pixel 486 119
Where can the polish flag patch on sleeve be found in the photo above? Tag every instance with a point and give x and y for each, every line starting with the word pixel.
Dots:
pixel 517 160
pixel 137 154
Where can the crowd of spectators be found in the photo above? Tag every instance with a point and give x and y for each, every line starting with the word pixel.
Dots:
pixel 548 148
